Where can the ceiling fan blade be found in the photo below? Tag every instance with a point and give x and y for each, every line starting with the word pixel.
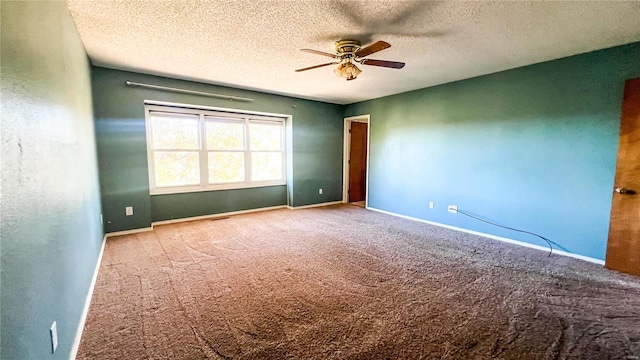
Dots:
pixel 316 66
pixel 373 48
pixel 320 53
pixel 383 63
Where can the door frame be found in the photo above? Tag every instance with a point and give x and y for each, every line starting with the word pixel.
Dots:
pixel 345 159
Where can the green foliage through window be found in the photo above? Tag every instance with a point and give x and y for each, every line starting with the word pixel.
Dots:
pixel 194 150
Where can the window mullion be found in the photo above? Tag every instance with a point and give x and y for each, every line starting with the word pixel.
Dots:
pixel 247 152
pixel 283 152
pixel 204 155
pixel 150 151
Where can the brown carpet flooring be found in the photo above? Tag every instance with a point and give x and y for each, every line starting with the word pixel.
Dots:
pixel 343 282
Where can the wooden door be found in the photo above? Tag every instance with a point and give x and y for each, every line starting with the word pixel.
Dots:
pixel 623 247
pixel 358 162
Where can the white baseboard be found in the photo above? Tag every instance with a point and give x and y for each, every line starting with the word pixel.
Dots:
pixel 314 205
pixel 204 217
pixel 87 303
pixel 499 238
pixel 128 232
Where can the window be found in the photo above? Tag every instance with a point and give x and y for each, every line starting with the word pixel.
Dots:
pixel 196 150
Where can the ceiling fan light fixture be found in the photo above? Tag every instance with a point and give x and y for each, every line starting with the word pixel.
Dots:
pixel 347 70
pixel 349 52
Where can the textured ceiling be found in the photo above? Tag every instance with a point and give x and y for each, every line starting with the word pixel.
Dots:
pixel 255 44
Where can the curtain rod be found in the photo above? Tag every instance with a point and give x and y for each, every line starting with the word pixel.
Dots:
pixel 185 91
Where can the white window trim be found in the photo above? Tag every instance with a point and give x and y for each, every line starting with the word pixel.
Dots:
pixel 202 112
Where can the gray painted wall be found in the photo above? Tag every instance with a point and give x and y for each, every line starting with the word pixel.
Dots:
pixel 51 233
pixel 314 151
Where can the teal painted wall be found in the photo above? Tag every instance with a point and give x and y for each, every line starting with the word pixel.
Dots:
pixel 176 206
pixel 532 148
pixel 314 151
pixel 51 232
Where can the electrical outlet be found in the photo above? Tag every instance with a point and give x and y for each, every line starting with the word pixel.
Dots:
pixel 430 204
pixel 128 210
pixel 320 191
pixel 54 337
pixel 452 209
pixel 101 219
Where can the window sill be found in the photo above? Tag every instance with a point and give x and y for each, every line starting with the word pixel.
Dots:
pixel 191 189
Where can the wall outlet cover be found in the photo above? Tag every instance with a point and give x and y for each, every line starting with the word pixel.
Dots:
pixel 430 204
pixel 128 210
pixel 54 337
pixel 320 191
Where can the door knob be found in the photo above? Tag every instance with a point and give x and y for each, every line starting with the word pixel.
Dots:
pixel 621 190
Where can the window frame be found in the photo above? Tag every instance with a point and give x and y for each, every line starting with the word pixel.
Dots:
pixel 209 114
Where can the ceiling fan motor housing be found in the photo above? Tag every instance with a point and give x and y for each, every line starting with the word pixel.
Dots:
pixel 347 48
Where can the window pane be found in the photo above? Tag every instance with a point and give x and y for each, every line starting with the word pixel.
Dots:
pixel 226 167
pixel 176 168
pixel 266 136
pixel 225 135
pixel 174 131
pixel 266 166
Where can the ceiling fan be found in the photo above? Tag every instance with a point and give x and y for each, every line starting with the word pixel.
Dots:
pixel 349 52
